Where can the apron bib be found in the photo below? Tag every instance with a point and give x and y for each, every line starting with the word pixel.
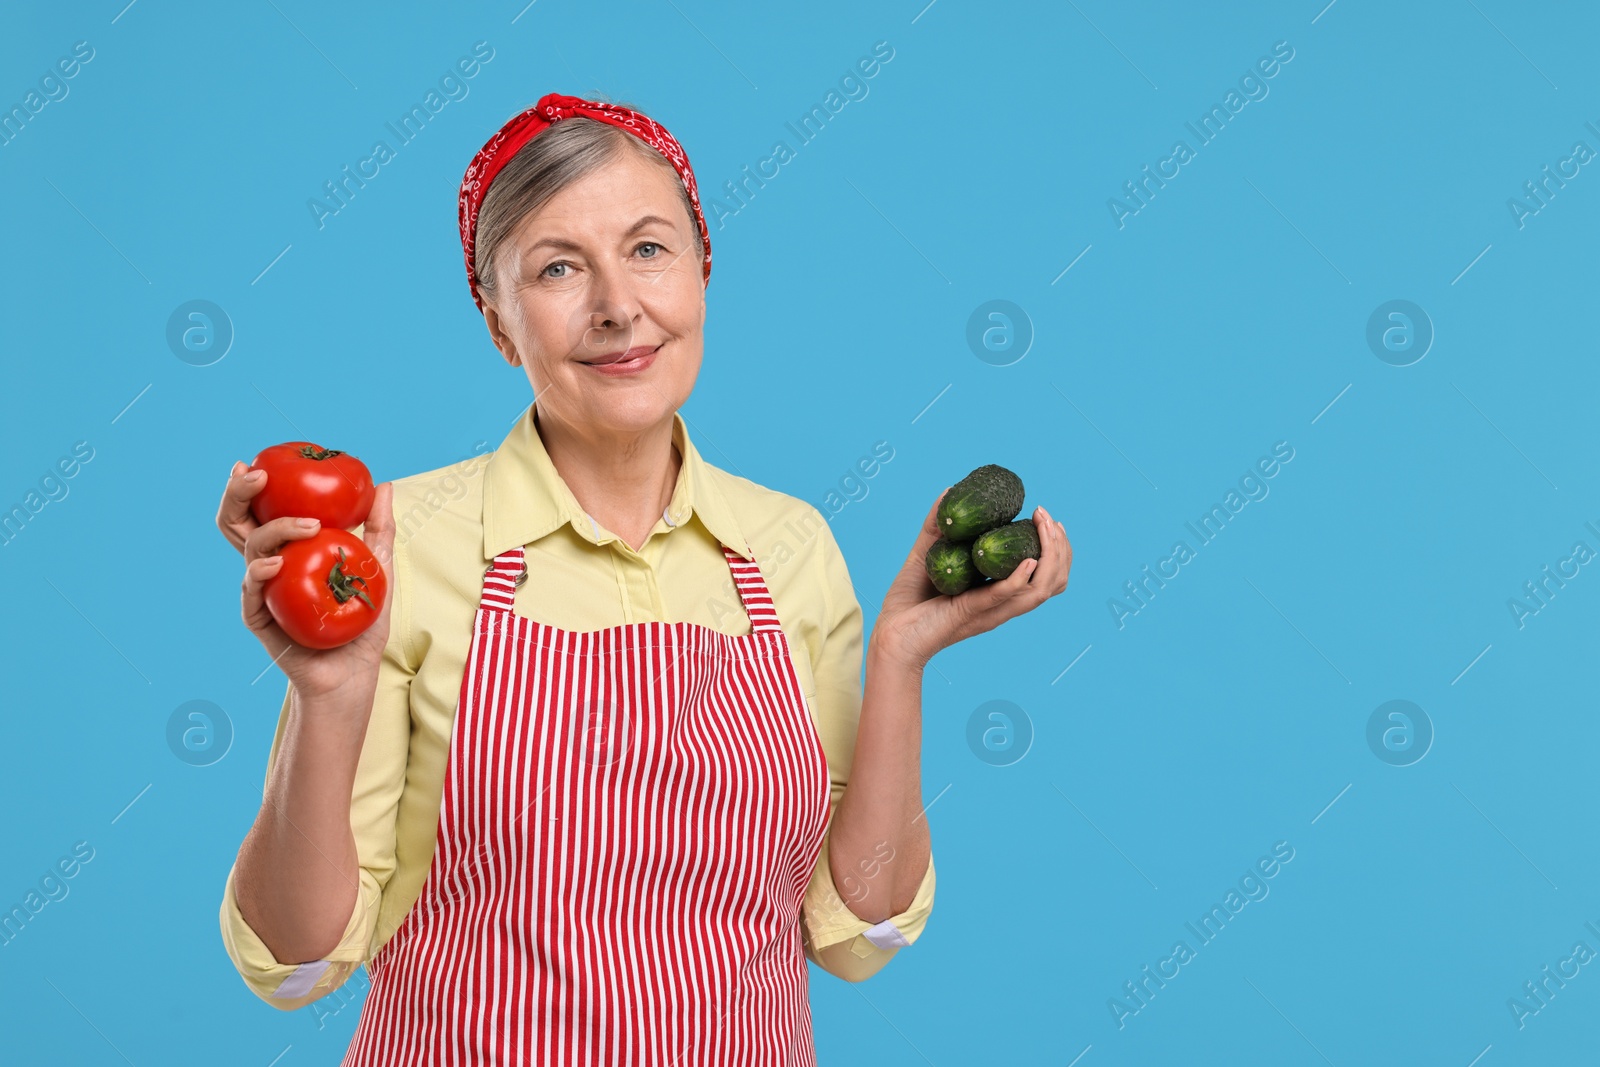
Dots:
pixel 629 821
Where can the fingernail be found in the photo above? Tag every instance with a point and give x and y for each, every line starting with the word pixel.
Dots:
pixel 256 475
pixel 306 523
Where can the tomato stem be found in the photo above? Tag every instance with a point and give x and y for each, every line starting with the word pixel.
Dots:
pixel 343 585
pixel 317 452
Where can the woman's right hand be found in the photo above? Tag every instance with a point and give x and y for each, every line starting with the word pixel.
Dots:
pixel 312 672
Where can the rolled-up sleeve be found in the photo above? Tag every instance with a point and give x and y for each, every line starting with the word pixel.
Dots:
pixel 836 938
pixel 375 798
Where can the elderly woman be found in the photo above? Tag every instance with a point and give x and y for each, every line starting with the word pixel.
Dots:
pixel 603 775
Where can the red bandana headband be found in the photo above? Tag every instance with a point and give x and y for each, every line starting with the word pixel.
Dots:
pixel 552 108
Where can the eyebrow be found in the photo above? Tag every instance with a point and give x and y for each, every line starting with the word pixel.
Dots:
pixel 648 220
pixel 569 246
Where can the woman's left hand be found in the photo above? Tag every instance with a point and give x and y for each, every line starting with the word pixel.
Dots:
pixel 918 621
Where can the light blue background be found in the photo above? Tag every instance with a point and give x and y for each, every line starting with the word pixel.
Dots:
pixel 1222 318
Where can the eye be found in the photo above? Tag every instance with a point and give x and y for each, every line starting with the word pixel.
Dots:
pixel 654 250
pixel 553 267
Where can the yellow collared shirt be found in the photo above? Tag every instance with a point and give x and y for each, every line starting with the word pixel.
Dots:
pixel 450 523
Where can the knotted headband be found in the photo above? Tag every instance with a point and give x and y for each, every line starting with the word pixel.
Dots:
pixel 552 108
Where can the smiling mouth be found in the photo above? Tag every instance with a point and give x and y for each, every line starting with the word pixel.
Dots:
pixel 631 355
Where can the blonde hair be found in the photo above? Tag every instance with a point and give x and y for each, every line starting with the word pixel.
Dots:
pixel 570 149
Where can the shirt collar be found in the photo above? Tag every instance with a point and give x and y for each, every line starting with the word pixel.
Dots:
pixel 525 497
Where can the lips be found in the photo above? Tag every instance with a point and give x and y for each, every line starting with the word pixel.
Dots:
pixel 635 352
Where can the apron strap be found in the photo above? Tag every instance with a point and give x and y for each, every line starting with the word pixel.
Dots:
pixel 510 569
pixel 753 591
pixel 500 581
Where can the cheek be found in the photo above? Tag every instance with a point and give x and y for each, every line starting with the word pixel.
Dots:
pixel 681 310
pixel 550 327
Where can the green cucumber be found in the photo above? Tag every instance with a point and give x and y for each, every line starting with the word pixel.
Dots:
pixel 1000 551
pixel 988 497
pixel 949 565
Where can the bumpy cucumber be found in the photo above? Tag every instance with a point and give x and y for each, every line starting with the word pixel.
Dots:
pixel 950 568
pixel 1001 550
pixel 986 498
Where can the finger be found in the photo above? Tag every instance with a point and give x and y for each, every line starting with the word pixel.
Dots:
pixel 1066 556
pixel 929 532
pixel 253 604
pixel 1001 595
pixel 378 533
pixel 269 537
pixel 1054 554
pixel 233 514
pixel 1061 556
pixel 378 528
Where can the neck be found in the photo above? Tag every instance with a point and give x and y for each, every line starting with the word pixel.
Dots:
pixel 623 482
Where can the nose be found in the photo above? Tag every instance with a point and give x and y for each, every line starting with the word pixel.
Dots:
pixel 614 308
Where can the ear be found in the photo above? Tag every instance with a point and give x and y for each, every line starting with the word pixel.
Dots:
pixel 498 334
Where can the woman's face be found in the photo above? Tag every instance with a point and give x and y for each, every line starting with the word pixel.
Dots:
pixel 606 266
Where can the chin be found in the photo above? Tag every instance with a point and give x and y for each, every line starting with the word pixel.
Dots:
pixel 631 410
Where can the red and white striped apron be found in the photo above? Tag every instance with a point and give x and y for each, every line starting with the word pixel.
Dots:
pixel 629 821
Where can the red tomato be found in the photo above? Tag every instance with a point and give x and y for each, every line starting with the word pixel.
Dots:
pixel 329 589
pixel 307 480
